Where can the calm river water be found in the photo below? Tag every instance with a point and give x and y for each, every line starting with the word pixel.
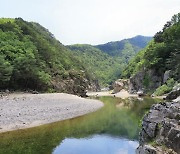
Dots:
pixel 113 129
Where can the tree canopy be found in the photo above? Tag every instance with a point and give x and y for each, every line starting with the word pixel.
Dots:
pixel 31 58
pixel 161 54
pixel 107 61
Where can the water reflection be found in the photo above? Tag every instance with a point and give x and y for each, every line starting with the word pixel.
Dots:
pixel 97 144
pixel 117 124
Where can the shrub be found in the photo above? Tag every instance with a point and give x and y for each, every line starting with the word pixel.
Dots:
pixel 165 88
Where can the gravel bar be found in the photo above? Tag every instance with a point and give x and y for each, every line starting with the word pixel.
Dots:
pixel 19 111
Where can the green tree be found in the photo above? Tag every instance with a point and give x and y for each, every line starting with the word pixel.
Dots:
pixel 5 72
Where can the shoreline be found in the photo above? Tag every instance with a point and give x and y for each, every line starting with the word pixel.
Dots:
pixel 122 94
pixel 20 111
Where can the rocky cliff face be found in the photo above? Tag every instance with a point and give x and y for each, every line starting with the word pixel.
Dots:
pixel 75 84
pixel 160 132
pixel 145 80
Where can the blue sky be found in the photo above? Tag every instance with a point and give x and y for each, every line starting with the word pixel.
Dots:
pixel 93 21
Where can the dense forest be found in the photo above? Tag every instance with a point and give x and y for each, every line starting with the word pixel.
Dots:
pixel 107 61
pixel 125 48
pixel 162 54
pixel 106 68
pixel 31 58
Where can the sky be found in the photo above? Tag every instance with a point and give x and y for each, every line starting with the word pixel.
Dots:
pixel 93 21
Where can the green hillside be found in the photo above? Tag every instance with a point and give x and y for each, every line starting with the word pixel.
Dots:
pixel 126 48
pixel 162 53
pixel 104 67
pixel 107 61
pixel 31 58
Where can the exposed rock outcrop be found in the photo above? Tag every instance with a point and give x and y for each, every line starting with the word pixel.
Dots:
pixel 77 85
pixel 147 80
pixel 174 93
pixel 161 129
pixel 94 86
pixel 146 149
pixel 166 76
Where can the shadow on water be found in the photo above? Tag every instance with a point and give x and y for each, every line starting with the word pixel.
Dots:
pixel 113 126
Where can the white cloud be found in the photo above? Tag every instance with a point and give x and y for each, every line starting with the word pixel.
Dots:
pixel 133 144
pixel 122 151
pixel 94 21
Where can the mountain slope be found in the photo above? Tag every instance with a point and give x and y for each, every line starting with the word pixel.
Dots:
pixel 107 61
pixel 104 67
pixel 118 48
pixel 161 56
pixel 31 58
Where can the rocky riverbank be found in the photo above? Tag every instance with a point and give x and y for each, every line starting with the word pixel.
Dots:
pixel 18 111
pixel 160 132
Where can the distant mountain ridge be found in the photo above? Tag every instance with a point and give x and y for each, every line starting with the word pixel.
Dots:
pixel 116 48
pixel 106 61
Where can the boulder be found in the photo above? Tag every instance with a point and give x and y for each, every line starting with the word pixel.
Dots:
pixel 7 91
pixel 120 84
pixel 173 94
pixel 140 93
pixel 35 92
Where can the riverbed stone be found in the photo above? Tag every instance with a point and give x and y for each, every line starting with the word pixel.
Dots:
pixel 140 93
pixel 174 93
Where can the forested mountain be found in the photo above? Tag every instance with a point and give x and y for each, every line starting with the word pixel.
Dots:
pixel 31 58
pixel 126 48
pixel 161 55
pixel 106 68
pixel 107 61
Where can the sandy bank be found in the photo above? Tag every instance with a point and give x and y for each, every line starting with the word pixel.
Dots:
pixel 122 94
pixel 18 111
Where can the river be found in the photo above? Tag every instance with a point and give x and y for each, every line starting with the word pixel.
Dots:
pixel 113 129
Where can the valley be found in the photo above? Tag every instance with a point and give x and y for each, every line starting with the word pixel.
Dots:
pixel 132 72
